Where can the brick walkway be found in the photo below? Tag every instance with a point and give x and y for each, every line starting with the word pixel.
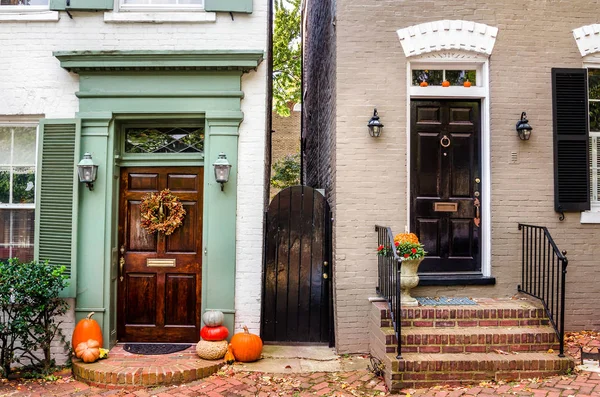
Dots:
pixel 357 383
pixel 230 382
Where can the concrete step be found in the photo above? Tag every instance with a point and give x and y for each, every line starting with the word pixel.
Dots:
pixel 418 370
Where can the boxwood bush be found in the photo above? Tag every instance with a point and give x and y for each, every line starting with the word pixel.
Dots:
pixel 29 309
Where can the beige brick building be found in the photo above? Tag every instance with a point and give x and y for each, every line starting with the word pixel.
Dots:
pixel 361 55
pixel 285 138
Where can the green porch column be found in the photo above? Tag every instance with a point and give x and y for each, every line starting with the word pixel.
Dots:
pixel 94 222
pixel 218 269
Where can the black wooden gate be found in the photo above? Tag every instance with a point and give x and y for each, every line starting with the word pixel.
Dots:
pixel 296 304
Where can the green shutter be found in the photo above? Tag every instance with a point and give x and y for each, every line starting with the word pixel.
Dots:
pixel 56 209
pixel 89 5
pixel 228 5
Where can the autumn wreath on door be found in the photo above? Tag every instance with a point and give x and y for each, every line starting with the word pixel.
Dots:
pixel 161 212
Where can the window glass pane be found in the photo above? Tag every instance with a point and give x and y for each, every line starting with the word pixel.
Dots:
pixel 432 77
pixel 17 241
pixel 23 2
pixel 594 83
pixel 164 140
pixel 4 185
pixel 23 185
pixel 594 116
pixel 22 227
pixel 458 77
pixel 5 144
pixel 4 226
pixel 24 146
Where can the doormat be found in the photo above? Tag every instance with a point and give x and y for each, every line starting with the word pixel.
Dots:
pixel 150 349
pixel 442 301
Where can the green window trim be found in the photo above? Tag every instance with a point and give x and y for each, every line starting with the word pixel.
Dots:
pixel 243 6
pixel 83 5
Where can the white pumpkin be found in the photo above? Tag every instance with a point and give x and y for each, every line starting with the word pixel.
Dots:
pixel 213 318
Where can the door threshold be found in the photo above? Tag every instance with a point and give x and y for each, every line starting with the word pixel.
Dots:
pixel 455 279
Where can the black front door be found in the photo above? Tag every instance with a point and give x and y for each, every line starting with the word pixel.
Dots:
pixel 446 184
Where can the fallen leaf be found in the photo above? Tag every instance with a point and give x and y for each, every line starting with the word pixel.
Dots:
pixel 550 350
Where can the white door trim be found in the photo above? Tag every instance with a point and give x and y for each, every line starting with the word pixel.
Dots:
pixel 481 92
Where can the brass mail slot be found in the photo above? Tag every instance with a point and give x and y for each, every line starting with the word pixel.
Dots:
pixel 153 262
pixel 445 207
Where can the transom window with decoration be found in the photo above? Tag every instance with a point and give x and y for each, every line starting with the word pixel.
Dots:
pixel 17 190
pixel 443 77
pixel 594 148
pixel 164 140
pixel 162 4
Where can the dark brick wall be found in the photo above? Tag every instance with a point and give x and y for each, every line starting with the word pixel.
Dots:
pixel 318 135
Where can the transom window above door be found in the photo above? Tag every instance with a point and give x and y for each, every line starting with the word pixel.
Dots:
pixel 162 4
pixel 164 140
pixel 436 77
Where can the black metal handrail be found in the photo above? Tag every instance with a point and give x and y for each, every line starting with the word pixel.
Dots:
pixel 388 278
pixel 543 275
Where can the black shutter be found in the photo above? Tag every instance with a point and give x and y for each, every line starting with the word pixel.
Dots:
pixel 571 140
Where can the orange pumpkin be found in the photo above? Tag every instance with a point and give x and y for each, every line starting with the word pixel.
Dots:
pixel 424 84
pixel 246 347
pixel 229 357
pixel 445 83
pixel 88 351
pixel 467 84
pixel 86 329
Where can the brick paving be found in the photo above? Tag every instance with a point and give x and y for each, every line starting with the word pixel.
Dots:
pixel 229 383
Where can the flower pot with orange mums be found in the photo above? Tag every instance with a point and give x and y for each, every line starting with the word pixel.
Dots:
pixel 411 252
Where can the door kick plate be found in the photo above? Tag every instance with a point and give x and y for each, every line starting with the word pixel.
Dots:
pixel 445 207
pixel 153 262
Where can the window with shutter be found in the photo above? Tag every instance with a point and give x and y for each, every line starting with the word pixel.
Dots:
pixel 84 5
pixel 594 147
pixel 244 6
pixel 17 190
pixel 56 209
pixel 571 140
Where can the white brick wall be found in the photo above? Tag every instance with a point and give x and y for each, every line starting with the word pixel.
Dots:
pixel 32 82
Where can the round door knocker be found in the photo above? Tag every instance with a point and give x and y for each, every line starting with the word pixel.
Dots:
pixel 445 141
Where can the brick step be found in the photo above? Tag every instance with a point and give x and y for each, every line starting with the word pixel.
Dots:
pixel 475 340
pixel 417 370
pixel 487 313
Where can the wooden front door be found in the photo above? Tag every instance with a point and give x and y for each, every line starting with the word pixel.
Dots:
pixel 446 184
pixel 160 301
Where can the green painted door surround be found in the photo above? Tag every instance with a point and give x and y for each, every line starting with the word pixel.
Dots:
pixel 118 87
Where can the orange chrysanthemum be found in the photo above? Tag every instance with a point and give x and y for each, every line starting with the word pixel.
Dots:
pixel 406 238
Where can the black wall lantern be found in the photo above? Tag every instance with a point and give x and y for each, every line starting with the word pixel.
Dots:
pixel 523 127
pixel 87 171
pixel 375 126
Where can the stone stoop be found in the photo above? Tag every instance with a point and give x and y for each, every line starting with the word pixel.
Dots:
pixel 495 340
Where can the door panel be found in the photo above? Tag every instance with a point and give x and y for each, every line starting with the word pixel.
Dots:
pixel 445 167
pixel 160 301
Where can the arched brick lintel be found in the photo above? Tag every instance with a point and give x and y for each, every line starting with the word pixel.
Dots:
pixel 448 35
pixel 588 39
